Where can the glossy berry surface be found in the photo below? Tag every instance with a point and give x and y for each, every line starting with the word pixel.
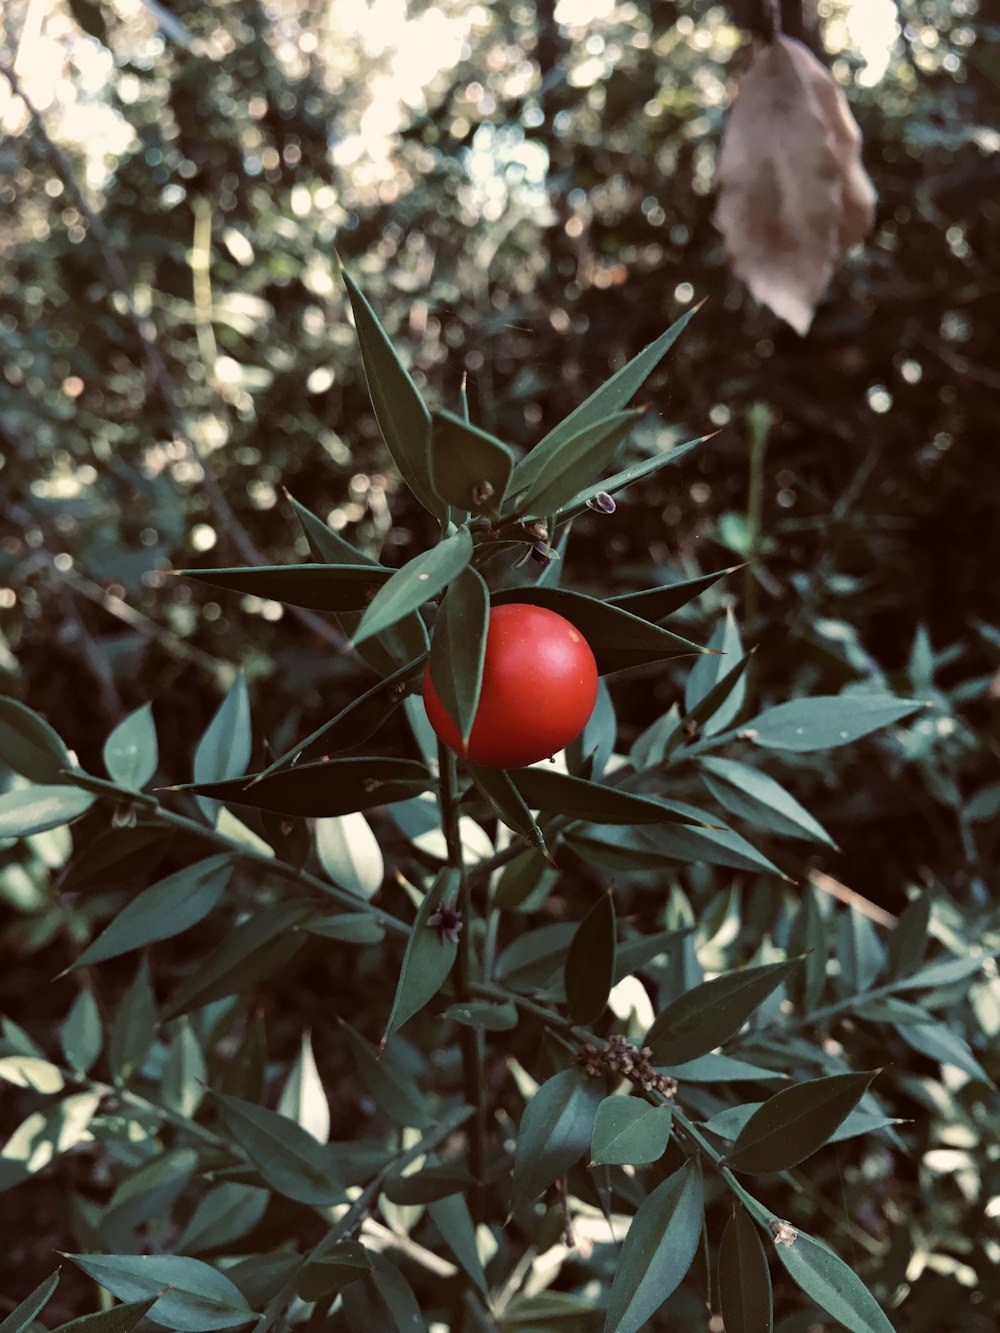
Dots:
pixel 539 689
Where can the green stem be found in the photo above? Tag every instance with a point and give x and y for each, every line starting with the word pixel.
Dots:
pixel 759 424
pixel 472 1040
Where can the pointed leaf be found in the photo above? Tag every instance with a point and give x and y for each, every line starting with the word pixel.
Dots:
pixel 636 472
pixel 350 854
pixel 711 1013
pixel 754 796
pixel 286 1155
pixel 28 1071
pixel 399 409
pixel 394 1091
pixel 452 1218
pixel 795 1122
pixel 506 801
pixel 658 603
pixel 224 749
pixel 429 955
pixel 130 752
pixel 555 1132
pixel 198 1299
pixel 185 1075
pixel 458 648
pixel 339 1266
pixel 166 909
pixel 938 1042
pixel 469 468
pixel 223 1215
pixel 617 639
pixel 730 1123
pixel 415 583
pixel 82 1036
pixel 834 1286
pixel 908 940
pixel 303 1098
pixel 590 962
pixel 658 1250
pixel 28 810
pixel 573 466
pixel 29 745
pixel 708 672
pixel 133 1028
pixel 23 1315
pixel 744 1280
pixel 429 1184
pixel 826 721
pixel 629 1132
pixel 119 1319
pixel 481 1014
pixel 609 398
pixel 327 546
pixel 329 787
pixel 337 588
pixel 246 955
pixel 546 789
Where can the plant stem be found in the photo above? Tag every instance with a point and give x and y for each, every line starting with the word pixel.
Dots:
pixel 759 425
pixel 471 1039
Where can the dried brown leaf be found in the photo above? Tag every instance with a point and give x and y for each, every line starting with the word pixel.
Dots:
pixel 792 193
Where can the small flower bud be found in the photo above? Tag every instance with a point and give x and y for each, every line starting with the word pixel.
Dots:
pixel 602 503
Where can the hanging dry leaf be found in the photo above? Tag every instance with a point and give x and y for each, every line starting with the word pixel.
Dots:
pixel 792 193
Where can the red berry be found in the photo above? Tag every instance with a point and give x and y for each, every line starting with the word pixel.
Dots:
pixel 539 690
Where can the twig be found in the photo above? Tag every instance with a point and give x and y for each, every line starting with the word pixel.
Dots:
pixel 827 884
pixel 768 20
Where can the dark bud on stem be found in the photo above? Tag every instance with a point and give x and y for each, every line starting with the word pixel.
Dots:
pixel 602 503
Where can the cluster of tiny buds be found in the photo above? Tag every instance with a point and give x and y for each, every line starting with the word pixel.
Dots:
pixel 620 1056
pixel 783 1232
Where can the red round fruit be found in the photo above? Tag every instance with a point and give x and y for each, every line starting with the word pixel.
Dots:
pixel 539 690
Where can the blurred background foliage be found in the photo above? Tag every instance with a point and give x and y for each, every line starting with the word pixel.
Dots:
pixel 525 194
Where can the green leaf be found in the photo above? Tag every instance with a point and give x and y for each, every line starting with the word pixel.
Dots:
pixel 394 1091
pixel 808 937
pixel 382 1301
pixel 630 1132
pixel 428 958
pixel 469 468
pixel 719 1069
pixel 117 1319
pixel 744 1280
pixel 28 810
pixel 415 583
pixel 590 962
pixel 28 1071
pixel 303 1098
pixel 399 409
pixel 481 1014
pixel 23 1315
pixel 327 546
pixel 714 846
pixel 757 798
pixel 943 972
pixel 572 465
pixel 495 785
pixel 555 1132
pixel 428 1184
pixel 349 927
pixel 199 1298
pixel 133 1027
pixel 82 1036
pixel 343 1264
pixel 709 672
pixel 329 787
pixel 285 1154
pixel 168 908
pixel 458 648
pixel 29 745
pixel 331 588
pixel 859 951
pixel 834 1286
pixel 452 1218
pixel 246 955
pixel 617 639
pixel 908 940
pixel 536 958
pixel 116 856
pixel 658 1250
pixel 711 1013
pixel 223 1215
pixel 546 789
pixel 147 1192
pixel 130 752
pixel 636 472
pixel 729 1124
pixel 350 853
pixel 826 721
pixel 185 1075
pixel 658 603
pixel 224 749
pixel 609 398
pixel 939 1042
pixel 526 881
pixel 796 1121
